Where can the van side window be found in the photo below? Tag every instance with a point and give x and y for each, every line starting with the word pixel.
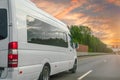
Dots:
pixel 3 24
pixel 39 32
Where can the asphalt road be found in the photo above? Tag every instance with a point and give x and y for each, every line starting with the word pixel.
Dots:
pixel 106 67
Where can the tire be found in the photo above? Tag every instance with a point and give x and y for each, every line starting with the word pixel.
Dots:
pixel 73 70
pixel 45 74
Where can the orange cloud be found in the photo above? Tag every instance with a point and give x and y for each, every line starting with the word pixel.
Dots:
pixel 98 9
pixel 65 11
pixel 74 1
pixel 74 16
pixel 116 2
pixel 115 41
pixel 95 7
pixel 49 6
pixel 112 41
pixel 74 4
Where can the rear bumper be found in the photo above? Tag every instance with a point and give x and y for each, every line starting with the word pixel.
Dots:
pixel 28 73
pixel 12 74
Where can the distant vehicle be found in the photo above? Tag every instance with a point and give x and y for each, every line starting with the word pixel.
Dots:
pixel 33 44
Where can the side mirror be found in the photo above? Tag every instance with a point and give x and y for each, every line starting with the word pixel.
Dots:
pixel 76 45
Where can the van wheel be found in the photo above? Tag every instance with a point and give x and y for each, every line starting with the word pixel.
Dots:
pixel 45 73
pixel 73 70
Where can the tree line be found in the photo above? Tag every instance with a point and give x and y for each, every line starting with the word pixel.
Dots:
pixel 83 35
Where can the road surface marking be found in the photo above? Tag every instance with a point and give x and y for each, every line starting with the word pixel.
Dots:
pixel 80 78
pixel 105 61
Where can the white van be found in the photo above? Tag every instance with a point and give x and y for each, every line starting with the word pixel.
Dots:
pixel 33 44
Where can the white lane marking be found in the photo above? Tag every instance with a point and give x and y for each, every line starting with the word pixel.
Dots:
pixel 105 61
pixel 80 78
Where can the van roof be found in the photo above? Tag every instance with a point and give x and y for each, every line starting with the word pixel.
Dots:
pixel 40 11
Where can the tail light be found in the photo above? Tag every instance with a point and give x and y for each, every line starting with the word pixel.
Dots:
pixel 13 45
pixel 13 55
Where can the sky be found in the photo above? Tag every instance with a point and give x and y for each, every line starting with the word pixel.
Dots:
pixel 102 16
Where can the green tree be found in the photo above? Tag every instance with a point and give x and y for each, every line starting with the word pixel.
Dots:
pixel 76 35
pixel 83 35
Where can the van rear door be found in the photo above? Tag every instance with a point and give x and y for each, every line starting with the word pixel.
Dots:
pixel 4 37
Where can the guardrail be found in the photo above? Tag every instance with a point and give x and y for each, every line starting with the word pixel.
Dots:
pixel 81 54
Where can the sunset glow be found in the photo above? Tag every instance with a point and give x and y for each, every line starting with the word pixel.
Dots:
pixel 73 4
pixel 102 16
pixel 74 0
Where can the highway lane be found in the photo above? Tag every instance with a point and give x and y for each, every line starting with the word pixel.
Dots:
pixel 105 67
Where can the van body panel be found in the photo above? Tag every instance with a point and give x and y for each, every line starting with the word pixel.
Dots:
pixel 28 71
pixel 4 32
pixel 4 37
